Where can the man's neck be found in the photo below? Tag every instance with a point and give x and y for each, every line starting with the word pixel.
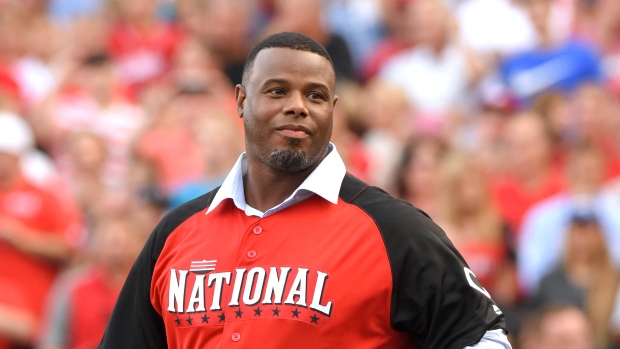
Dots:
pixel 266 187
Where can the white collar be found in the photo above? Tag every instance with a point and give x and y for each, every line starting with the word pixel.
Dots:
pixel 324 181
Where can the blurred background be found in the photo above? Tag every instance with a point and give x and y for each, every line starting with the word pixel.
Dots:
pixel 499 118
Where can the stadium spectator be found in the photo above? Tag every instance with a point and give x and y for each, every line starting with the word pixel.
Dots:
pixel 220 141
pixel 170 134
pixel 607 33
pixel 386 113
pixel 228 33
pixel 399 35
pixel 87 157
pixel 484 137
pixel 198 73
pixel 530 175
pixel 586 277
pixel 142 45
pixel 286 17
pixel 359 23
pixel 37 235
pixel 82 300
pixel 352 150
pixel 92 99
pixel 33 69
pixel 437 71
pixel 560 122
pixel 542 235
pixel 469 219
pixel 557 327
pixel 554 65
pixel 595 118
pixel 84 37
pixel 418 176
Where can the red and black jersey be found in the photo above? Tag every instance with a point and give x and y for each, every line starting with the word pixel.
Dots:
pixel 369 272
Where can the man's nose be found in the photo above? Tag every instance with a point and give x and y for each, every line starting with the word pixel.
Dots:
pixel 296 105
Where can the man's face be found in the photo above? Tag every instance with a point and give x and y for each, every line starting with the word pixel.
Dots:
pixel 287 106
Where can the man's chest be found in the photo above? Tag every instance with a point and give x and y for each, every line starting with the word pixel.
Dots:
pixel 306 275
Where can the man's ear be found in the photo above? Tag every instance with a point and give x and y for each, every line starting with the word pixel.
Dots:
pixel 239 98
pixel 335 100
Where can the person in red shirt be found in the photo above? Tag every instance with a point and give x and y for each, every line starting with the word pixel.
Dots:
pixel 530 174
pixel 37 234
pixel 82 301
pixel 293 252
pixel 401 36
pixel 142 45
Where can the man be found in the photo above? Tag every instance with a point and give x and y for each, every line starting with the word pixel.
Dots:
pixel 291 252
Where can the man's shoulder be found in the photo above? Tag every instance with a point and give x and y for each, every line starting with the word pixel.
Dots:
pixel 193 206
pixel 181 213
pixel 389 213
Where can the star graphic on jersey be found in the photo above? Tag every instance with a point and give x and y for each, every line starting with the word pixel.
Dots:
pixel 257 311
pixel 314 319
pixel 178 321
pixel 238 312
pixel 189 320
pixel 222 317
pixel 295 313
pixel 276 312
pixel 205 319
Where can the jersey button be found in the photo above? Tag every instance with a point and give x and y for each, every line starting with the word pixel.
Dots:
pixel 257 229
pixel 251 253
pixel 236 337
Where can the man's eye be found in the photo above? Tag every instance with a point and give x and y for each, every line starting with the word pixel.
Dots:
pixel 316 95
pixel 276 91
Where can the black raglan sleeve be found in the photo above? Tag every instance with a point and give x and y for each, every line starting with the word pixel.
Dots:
pixel 436 298
pixel 134 322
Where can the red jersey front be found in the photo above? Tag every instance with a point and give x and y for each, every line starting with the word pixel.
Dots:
pixel 250 277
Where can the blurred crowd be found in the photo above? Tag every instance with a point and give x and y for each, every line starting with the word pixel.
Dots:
pixel 499 118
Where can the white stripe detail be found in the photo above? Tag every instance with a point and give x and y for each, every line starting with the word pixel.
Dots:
pixel 203 265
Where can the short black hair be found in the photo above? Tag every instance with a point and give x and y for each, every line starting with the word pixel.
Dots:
pixel 292 40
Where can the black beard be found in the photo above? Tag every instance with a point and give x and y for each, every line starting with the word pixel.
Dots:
pixel 288 160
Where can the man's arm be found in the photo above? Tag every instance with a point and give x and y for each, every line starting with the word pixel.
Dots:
pixel 435 297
